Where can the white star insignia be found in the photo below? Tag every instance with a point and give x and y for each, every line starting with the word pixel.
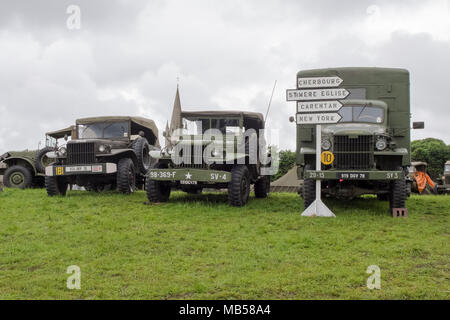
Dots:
pixel 188 176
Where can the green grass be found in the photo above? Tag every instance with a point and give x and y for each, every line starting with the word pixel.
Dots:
pixel 197 247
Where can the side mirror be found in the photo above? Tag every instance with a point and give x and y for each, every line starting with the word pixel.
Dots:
pixel 419 125
pixel 291 119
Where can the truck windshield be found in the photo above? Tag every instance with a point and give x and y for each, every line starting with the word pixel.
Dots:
pixel 103 130
pixel 361 114
pixel 199 126
pixel 447 168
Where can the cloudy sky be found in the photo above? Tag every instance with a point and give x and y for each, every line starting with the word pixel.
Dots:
pixel 127 55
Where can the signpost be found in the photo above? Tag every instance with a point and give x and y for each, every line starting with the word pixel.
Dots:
pixel 318 106
pixel 316 94
pixel 318 118
pixel 319 82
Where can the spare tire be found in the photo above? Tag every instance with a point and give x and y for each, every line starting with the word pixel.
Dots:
pixel 38 163
pixel 141 148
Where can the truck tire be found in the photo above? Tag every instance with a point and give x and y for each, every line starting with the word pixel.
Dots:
pixel 157 191
pixel 398 193
pixel 309 189
pixel 262 187
pixel 239 186
pixel 126 176
pixel 39 157
pixel 56 186
pixel 18 177
pixel 141 148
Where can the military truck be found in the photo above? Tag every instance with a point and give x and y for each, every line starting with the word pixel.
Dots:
pixel 370 143
pixel 213 149
pixel 25 169
pixel 444 183
pixel 107 151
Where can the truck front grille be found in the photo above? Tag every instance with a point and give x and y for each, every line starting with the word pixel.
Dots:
pixel 353 153
pixel 193 157
pixel 80 153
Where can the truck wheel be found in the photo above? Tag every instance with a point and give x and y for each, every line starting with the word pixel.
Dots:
pixel 56 186
pixel 157 191
pixel 309 189
pixel 126 176
pixel 17 177
pixel 239 186
pixel 141 148
pixel 398 193
pixel 262 187
pixel 40 157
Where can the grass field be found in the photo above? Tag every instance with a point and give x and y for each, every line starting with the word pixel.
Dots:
pixel 197 247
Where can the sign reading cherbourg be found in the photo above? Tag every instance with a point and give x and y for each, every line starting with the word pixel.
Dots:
pixel 319 82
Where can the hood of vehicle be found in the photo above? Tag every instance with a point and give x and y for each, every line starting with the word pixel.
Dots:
pixel 354 129
pixel 97 142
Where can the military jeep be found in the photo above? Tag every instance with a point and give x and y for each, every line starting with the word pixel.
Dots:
pixel 370 143
pixel 110 151
pixel 213 149
pixel 25 169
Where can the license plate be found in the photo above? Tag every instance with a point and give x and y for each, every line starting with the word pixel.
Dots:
pixel 79 169
pixel 352 175
pixel 187 182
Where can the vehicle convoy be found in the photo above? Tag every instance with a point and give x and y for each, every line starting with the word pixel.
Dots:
pixel 26 169
pixel 107 151
pixel 213 149
pixel 370 143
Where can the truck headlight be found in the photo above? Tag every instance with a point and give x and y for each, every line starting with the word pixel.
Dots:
pixel 215 153
pixel 61 153
pixel 381 144
pixel 326 144
pixel 102 148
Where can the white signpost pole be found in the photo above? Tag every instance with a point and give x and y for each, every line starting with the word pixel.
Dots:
pixel 318 208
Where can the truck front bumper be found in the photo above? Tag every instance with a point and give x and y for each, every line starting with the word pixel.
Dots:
pixel 187 175
pixel 353 175
pixel 80 169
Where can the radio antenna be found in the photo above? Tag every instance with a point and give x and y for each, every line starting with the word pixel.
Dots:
pixel 270 101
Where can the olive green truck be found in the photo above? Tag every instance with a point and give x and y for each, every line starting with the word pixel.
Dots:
pixel 369 145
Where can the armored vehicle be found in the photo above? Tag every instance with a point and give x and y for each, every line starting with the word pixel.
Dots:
pixel 25 169
pixel 107 151
pixel 370 144
pixel 213 149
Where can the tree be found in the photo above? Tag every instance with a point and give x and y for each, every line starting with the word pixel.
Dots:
pixel 287 161
pixel 433 151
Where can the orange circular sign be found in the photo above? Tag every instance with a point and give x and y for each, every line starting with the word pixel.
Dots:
pixel 327 157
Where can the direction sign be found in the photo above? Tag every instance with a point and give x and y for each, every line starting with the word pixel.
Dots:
pixel 318 118
pixel 318 106
pixel 319 82
pixel 316 94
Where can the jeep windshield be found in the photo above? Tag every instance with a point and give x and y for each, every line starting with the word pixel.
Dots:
pixel 114 130
pixel 361 114
pixel 199 126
